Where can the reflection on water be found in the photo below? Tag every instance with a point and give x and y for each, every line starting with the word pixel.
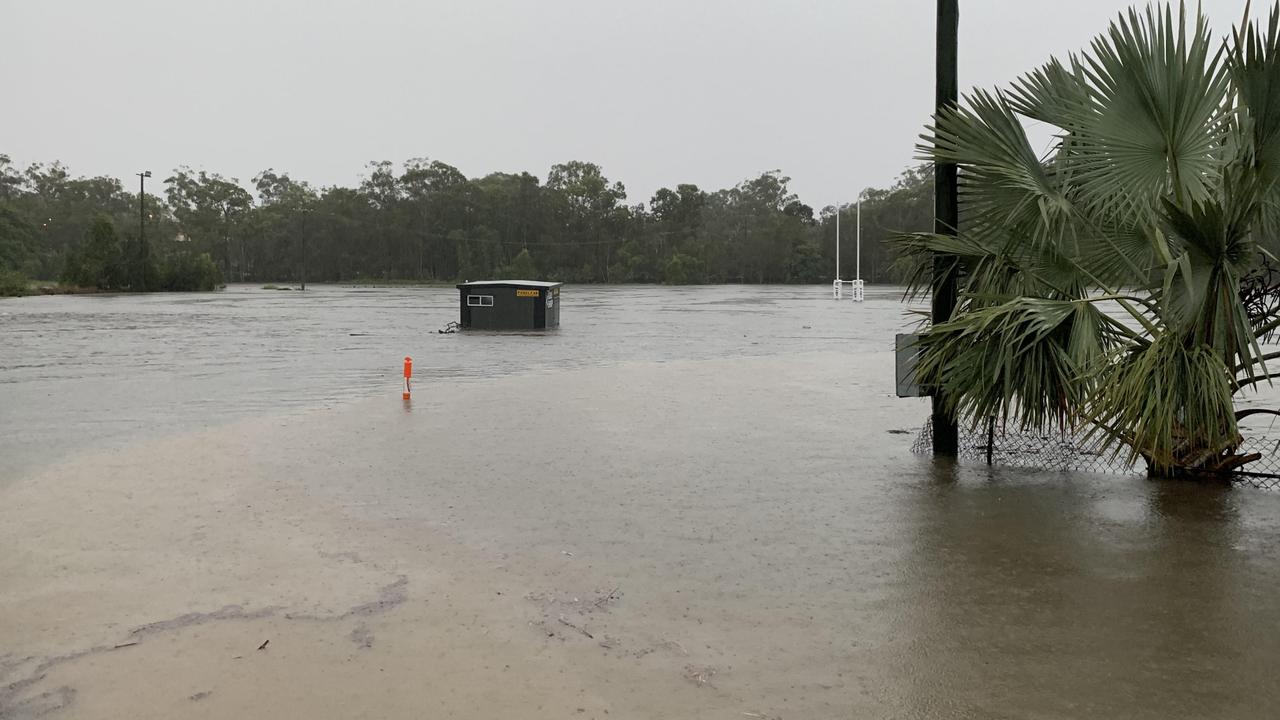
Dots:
pixel 1090 596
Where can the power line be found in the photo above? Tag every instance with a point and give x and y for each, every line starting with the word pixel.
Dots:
pixel 565 243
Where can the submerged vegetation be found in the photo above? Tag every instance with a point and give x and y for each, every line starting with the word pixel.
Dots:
pixel 55 226
pixel 1106 288
pixel 425 221
pixel 102 262
pixel 13 283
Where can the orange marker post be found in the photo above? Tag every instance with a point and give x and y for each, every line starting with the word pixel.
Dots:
pixel 408 373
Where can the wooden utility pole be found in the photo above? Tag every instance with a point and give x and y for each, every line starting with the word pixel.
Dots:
pixel 144 253
pixel 306 212
pixel 946 212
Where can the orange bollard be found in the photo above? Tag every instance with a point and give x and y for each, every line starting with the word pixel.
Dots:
pixel 408 373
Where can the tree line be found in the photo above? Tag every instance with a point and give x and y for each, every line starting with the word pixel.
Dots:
pixel 424 220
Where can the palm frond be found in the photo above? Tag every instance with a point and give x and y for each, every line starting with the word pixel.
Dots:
pixel 1165 402
pixel 1253 60
pixel 1021 361
pixel 1202 289
pixel 1003 184
pixel 1157 115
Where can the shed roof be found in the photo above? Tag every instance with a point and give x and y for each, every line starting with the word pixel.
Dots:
pixel 510 283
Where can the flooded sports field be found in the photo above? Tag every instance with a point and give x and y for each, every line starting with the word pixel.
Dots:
pixel 684 503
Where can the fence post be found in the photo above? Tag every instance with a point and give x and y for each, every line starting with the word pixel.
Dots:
pixel 991 438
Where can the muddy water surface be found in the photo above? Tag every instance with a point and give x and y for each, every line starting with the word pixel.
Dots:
pixel 685 503
pixel 92 371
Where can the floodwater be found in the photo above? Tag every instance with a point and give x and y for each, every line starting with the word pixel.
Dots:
pixel 84 371
pixel 689 502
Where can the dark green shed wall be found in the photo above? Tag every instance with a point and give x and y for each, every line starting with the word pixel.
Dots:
pixel 510 309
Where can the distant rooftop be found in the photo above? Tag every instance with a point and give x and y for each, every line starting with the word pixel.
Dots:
pixel 510 283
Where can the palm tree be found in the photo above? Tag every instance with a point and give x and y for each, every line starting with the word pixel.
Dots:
pixel 1101 283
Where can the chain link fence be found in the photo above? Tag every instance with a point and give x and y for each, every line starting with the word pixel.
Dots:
pixel 1265 471
pixel 1070 451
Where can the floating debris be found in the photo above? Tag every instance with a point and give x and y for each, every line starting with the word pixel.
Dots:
pixel 699 674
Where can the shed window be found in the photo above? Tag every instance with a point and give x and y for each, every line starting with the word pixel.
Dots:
pixel 480 300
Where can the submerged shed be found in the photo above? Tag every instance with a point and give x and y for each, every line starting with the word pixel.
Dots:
pixel 509 304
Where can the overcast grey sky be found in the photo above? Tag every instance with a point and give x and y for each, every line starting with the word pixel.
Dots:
pixel 658 92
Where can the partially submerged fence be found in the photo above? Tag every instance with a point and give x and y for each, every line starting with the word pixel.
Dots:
pixel 1074 452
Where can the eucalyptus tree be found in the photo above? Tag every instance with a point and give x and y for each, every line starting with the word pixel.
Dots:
pixel 10 179
pixel 436 200
pixel 280 225
pixel 586 211
pixel 1101 282
pixel 210 211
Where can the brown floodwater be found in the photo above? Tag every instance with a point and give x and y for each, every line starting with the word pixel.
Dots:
pixel 685 503
pixel 79 372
